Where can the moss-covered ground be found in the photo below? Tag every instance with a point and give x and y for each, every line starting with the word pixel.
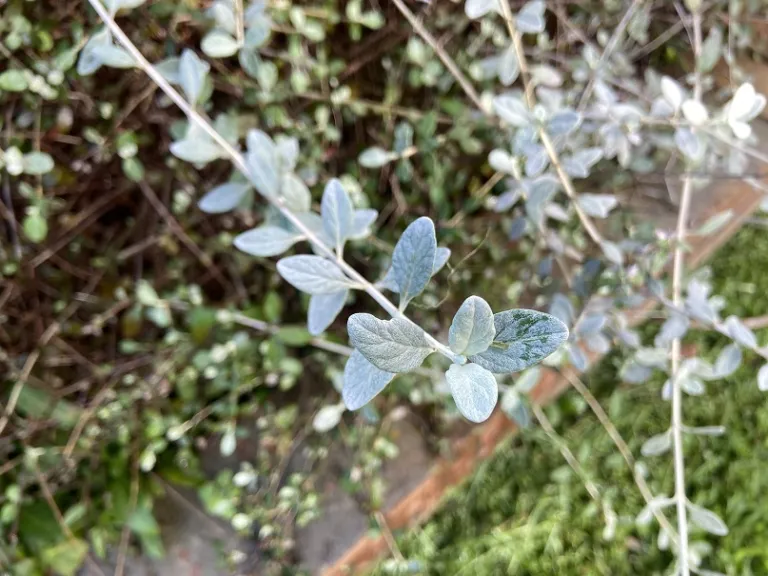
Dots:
pixel 525 512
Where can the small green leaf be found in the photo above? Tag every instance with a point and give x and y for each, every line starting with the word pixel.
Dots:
pixel 67 558
pixel 35 227
pixel 13 81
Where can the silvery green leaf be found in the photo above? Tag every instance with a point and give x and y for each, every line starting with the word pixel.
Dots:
pixel 477 8
pixel 653 357
pixel 266 241
pixel 219 44
pixel 441 259
pixel 197 151
pixel 540 191
pixel 674 327
pixel 544 75
pixel 223 198
pixel 224 15
pixel 528 379
pixel 313 274
pixel 728 361
pixel 403 137
pixel 258 32
pixel 512 110
pixel 474 390
pixel 259 141
pixel 579 164
pixel 563 122
pixel 612 251
pixel 362 381
pixel 692 386
pixel 711 49
pixel 672 92
pixel 508 199
pixel 656 445
pixel 695 112
pixel 361 223
pixel 89 61
pixel 707 520
pixel 715 223
pixel 315 225
pixel 375 157
pixel 536 160
pixel 578 358
pixel 706 430
pixel 37 163
pixel 297 196
pixel 395 345
pixel 113 56
pixel 485 68
pixel 262 163
pixel 658 503
pixel 287 152
pixel 414 259
pixel 169 69
pixel 501 161
pixel 742 104
pixel 597 205
pixel 513 406
pixel 323 309
pixel 635 373
pixel 762 378
pixel 337 212
pixel 530 19
pixel 591 324
pixel 228 442
pixel 508 66
pixel 660 108
pixel 192 74
pixel 598 343
pixel 517 228
pixel 562 309
pixel 328 417
pixel 689 143
pixel 472 329
pixel 740 333
pixel 523 338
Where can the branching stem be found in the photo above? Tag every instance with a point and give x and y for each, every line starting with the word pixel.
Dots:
pixel 240 163
pixel 681 500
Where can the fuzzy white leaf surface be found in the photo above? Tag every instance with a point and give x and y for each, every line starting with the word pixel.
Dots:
pixel 313 274
pixel 362 381
pixel 266 241
pixel 472 329
pixel 223 198
pixel 474 389
pixel 414 258
pixel 337 213
pixel 395 345
pixel 323 309
pixel 523 338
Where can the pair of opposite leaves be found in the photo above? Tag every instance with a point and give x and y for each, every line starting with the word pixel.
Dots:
pixel 484 343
